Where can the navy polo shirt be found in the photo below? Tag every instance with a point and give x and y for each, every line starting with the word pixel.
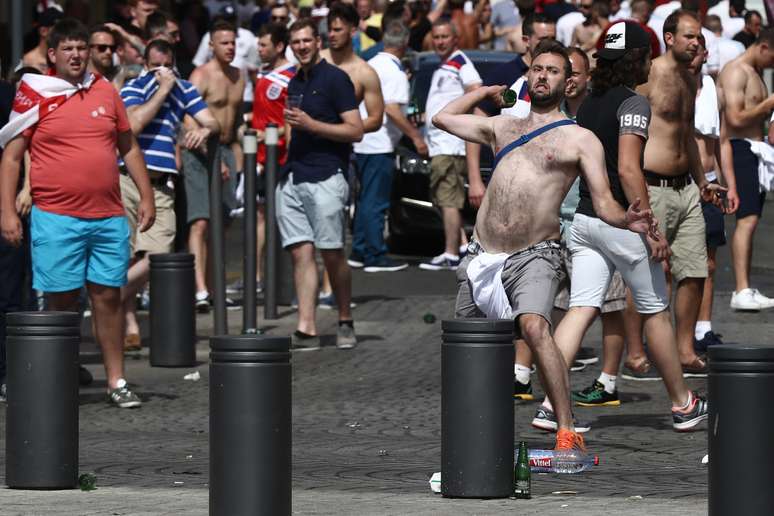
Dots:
pixel 327 92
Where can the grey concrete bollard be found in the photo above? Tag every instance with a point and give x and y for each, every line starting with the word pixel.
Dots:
pixel 250 425
pixel 477 408
pixel 172 310
pixel 41 439
pixel 741 418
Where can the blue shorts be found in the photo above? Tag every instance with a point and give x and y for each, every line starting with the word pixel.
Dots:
pixel 69 251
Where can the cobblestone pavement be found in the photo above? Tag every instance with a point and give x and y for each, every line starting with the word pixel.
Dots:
pixel 366 426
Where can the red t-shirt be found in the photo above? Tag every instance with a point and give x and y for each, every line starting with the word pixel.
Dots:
pixel 271 91
pixel 73 169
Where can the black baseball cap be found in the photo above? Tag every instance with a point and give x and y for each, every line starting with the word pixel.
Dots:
pixel 49 17
pixel 620 37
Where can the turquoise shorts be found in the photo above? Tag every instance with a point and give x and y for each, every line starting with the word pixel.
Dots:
pixel 69 251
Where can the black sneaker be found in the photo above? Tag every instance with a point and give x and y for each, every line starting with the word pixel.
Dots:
pixel 84 376
pixel 698 412
pixel 355 261
pixel 442 262
pixel 710 339
pixel 522 391
pixel 596 396
pixel 302 342
pixel 385 264
pixel 586 356
pixel 577 366
pixel 545 419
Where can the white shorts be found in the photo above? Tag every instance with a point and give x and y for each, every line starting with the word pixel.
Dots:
pixel 598 250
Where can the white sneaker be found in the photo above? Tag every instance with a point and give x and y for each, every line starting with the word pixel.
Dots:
pixel 765 302
pixel 745 300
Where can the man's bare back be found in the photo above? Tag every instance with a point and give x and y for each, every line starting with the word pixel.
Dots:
pixel 741 88
pixel 521 204
pixel 367 86
pixel 671 91
pixel 36 58
pixel 222 89
pixel 360 72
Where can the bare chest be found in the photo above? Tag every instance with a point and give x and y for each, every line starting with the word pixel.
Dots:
pixel 673 100
pixel 224 93
pixel 755 92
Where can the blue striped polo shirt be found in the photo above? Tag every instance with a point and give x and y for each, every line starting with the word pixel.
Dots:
pixel 157 139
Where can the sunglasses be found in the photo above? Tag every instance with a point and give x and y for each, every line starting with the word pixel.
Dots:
pixel 102 48
pixel 279 18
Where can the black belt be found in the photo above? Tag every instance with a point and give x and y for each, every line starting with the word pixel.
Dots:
pixel 154 181
pixel 676 182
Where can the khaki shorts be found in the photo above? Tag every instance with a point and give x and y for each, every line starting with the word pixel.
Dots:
pixel 160 237
pixel 680 218
pixel 615 298
pixel 530 279
pixel 447 181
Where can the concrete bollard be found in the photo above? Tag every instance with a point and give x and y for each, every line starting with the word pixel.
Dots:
pixel 172 310
pixel 250 425
pixel 741 416
pixel 477 408
pixel 41 439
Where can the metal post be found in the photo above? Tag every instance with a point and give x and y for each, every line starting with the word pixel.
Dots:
pixel 217 240
pixel 250 426
pixel 41 430
pixel 172 311
pixel 250 146
pixel 271 277
pixel 477 408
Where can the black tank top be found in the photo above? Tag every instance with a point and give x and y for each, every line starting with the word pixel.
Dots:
pixel 600 116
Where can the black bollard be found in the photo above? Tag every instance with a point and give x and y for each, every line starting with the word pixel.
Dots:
pixel 278 266
pixel 477 408
pixel 172 310
pixel 741 416
pixel 250 425
pixel 41 440
pixel 249 323
pixel 217 240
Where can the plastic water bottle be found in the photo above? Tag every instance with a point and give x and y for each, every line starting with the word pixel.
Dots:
pixel 563 461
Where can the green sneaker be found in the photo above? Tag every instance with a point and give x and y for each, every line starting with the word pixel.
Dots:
pixel 596 396
pixel 522 391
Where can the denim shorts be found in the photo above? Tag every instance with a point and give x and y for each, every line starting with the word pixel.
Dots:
pixel 312 212
pixel 69 251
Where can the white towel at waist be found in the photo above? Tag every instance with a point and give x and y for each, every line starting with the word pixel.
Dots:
pixel 486 285
pixel 765 154
pixel 706 119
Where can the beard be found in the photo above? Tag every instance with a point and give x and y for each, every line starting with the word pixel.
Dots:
pixel 547 99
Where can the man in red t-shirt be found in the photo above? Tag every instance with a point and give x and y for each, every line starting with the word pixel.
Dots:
pixel 271 90
pixel 79 230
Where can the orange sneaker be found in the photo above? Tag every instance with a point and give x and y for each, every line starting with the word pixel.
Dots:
pixel 569 440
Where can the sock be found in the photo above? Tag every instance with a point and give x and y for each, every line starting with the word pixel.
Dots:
pixel 608 381
pixel 687 403
pixel 702 327
pixel 451 256
pixel 522 373
pixel 348 322
pixel 547 404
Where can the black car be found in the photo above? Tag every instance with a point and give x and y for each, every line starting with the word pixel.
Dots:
pixel 413 221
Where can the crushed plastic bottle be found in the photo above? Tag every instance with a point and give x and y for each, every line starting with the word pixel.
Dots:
pixel 564 461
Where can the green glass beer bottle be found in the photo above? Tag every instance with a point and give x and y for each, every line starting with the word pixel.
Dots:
pixel 509 98
pixel 522 482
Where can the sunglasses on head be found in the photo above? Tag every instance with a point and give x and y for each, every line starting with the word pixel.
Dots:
pixel 102 48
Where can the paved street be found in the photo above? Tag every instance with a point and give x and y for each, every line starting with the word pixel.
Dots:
pixel 366 422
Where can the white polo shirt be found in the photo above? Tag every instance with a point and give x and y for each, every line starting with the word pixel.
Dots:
pixel 448 83
pixel 395 90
